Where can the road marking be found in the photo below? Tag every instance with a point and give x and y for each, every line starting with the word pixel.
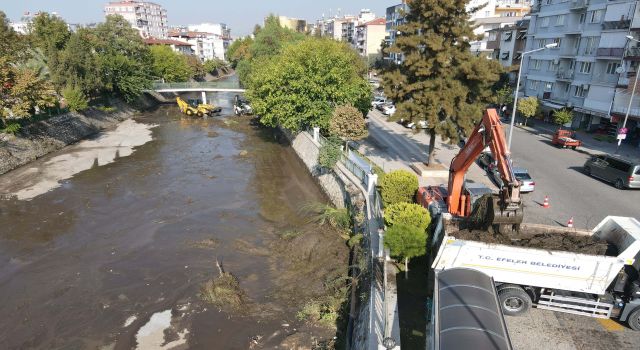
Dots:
pixel 610 325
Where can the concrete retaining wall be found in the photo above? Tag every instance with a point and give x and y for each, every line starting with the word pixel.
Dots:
pixel 41 138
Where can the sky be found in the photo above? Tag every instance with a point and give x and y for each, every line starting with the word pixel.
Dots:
pixel 240 15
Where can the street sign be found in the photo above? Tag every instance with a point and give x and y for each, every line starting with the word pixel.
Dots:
pixel 623 131
pixel 622 136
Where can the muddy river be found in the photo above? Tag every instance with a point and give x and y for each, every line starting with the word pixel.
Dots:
pixel 108 243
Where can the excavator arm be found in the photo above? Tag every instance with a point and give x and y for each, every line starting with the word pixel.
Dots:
pixel 507 206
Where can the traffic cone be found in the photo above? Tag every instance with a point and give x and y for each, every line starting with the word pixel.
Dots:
pixel 570 223
pixel 546 202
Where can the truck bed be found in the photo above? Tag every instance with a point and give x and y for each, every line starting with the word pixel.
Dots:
pixel 588 273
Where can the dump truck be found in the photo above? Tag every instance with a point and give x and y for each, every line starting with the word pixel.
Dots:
pixel 601 286
pixel 565 139
pixel 199 109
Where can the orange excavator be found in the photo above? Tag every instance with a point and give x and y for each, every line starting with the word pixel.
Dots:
pixel 506 207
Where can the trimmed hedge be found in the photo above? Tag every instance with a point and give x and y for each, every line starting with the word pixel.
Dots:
pixel 407 214
pixel 398 186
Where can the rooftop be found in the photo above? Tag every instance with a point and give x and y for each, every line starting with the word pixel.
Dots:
pixel 154 41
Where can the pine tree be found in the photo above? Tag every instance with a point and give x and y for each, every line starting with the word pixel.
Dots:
pixel 440 81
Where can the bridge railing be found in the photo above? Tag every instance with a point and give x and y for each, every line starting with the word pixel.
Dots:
pixel 196 85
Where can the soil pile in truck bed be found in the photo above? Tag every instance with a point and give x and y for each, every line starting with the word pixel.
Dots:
pixel 561 241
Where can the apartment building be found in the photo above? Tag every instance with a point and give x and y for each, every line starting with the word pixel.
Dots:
pixel 334 26
pixel 508 44
pixel 395 16
pixel 206 46
pixel 589 64
pixel 175 45
pixel 147 17
pixel 495 14
pixel 370 36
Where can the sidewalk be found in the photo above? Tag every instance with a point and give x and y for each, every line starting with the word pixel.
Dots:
pixel 589 144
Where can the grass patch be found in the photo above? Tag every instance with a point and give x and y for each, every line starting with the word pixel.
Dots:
pixel 324 312
pixel 604 138
pixel 12 128
pixel 224 292
pixel 209 243
pixel 326 214
pixel 290 234
pixel 107 109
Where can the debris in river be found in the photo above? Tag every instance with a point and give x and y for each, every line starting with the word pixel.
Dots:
pixel 224 291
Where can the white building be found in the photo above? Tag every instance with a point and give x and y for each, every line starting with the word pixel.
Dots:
pixel 220 31
pixel 591 69
pixel 369 37
pixel 495 14
pixel 147 17
pixel 206 46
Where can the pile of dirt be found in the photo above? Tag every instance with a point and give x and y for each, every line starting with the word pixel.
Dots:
pixel 560 241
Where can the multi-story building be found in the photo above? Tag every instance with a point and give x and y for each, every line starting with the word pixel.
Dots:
pixel 507 44
pixel 495 14
pixel 206 46
pixel 395 16
pixel 176 45
pixel 147 17
pixel 295 24
pixel 221 35
pixel 334 26
pixel 584 71
pixel 370 36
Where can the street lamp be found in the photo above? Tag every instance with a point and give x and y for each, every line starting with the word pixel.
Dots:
pixel 633 92
pixel 515 100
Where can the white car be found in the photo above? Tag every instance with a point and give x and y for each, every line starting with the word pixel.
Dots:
pixel 526 182
pixel 379 100
pixel 389 110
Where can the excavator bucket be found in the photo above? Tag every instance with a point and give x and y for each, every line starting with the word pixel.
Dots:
pixel 505 214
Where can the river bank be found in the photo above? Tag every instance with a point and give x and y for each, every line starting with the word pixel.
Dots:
pixel 43 137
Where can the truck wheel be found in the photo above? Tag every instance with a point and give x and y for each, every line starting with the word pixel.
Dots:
pixel 189 112
pixel 634 319
pixel 514 301
pixel 574 147
pixel 200 114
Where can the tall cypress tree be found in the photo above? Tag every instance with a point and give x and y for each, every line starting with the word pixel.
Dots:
pixel 440 81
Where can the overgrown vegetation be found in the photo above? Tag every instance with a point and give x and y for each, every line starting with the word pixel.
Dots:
pixel 75 98
pixel 330 153
pixel 398 186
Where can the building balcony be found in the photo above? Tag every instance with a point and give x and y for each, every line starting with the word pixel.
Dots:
pixel 632 52
pixel 578 5
pixel 612 25
pixel 621 103
pixel 615 52
pixel 565 76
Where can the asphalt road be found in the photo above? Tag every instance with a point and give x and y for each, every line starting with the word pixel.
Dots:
pixel 558 174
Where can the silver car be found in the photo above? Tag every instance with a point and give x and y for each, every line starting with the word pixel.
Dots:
pixel 526 182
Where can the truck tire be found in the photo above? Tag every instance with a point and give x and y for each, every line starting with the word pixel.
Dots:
pixel 189 112
pixel 200 114
pixel 514 301
pixel 634 319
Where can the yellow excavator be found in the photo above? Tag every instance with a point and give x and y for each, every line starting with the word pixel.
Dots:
pixel 200 109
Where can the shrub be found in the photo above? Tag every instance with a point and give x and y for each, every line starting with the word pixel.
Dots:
pixel 12 128
pixel 406 242
pixel 408 214
pixel 562 116
pixel 76 99
pixel 398 186
pixel 348 123
pixel 330 153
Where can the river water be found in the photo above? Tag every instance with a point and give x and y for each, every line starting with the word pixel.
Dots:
pixel 107 244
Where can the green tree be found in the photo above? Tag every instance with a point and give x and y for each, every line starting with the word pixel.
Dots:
pixel 75 98
pixel 50 33
pixel 170 65
pixel 504 96
pixel 23 92
pixel 348 123
pixel 125 61
pixel 398 186
pixel 78 66
pixel 239 50
pixel 214 65
pixel 300 87
pixel 406 242
pixel 441 80
pixel 13 46
pixel 408 214
pixel 562 116
pixel 528 107
pixel 197 68
pixel 272 38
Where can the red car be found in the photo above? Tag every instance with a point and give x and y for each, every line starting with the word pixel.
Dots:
pixel 565 138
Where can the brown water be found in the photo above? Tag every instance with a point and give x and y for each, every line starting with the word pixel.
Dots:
pixel 89 264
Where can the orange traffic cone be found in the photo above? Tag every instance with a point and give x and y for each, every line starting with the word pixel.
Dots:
pixel 570 223
pixel 546 202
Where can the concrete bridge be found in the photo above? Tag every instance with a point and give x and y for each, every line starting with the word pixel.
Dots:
pixel 203 87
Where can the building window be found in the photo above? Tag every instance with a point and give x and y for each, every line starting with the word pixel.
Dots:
pixel 582 90
pixel 535 64
pixel 585 67
pixel 541 43
pixel 505 55
pixel 560 20
pixel 492 36
pixel 590 44
pixel 567 88
pixel 507 36
pixel 521 35
pixel 553 66
pixel 548 86
pixel 533 84
pixel 611 67
pixel 544 22
pixel 583 16
pixel 596 16
pixel 548 2
pixel 557 41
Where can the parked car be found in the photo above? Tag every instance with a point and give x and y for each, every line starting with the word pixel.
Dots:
pixel 378 100
pixel 618 171
pixel 421 124
pixel 565 139
pixel 526 182
pixel 389 110
pixel 381 106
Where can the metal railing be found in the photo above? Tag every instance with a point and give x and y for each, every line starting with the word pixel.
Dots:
pixel 196 85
